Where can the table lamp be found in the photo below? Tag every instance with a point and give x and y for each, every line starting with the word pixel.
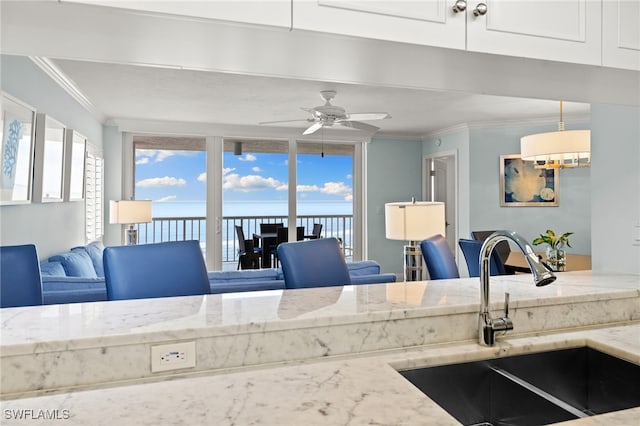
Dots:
pixel 414 221
pixel 130 212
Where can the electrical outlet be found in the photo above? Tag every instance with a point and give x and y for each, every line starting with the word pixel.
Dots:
pixel 174 356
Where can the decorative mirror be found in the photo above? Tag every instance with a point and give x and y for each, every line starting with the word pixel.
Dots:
pixel 75 163
pixel 49 160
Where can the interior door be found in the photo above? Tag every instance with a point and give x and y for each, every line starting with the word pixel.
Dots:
pixel 441 186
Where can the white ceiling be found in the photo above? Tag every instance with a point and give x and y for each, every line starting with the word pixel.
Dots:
pixel 167 94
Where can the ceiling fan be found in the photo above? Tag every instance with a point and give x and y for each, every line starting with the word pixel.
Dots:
pixel 327 115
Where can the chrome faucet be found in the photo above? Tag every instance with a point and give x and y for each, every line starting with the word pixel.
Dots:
pixel 487 326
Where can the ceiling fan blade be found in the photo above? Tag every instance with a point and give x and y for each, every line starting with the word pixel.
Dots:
pixel 286 121
pixel 314 112
pixel 358 125
pixel 314 127
pixel 365 116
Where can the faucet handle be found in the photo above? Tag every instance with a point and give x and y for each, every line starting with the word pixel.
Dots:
pixel 506 304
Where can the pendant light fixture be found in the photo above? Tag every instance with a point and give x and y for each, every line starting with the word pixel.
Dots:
pixel 557 150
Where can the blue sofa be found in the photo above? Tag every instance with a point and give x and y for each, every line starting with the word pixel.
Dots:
pixel 78 276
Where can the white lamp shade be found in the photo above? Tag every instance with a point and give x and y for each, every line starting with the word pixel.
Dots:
pixel 130 211
pixel 410 221
pixel 558 146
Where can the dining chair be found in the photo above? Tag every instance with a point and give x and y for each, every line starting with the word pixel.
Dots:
pixel 248 253
pixel 267 228
pixel 440 262
pixel 174 268
pixel 313 263
pixel 471 251
pixel 315 233
pixel 282 236
pixel 20 278
pixel 502 249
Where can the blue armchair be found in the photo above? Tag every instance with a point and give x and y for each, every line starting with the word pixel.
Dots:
pixel 438 257
pixel 168 269
pixel 471 251
pixel 313 263
pixel 20 279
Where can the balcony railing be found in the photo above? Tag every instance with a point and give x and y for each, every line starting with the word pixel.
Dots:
pixel 194 228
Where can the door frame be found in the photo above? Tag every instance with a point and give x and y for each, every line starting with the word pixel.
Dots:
pixel 451 158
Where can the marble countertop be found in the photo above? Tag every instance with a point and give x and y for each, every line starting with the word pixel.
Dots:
pixel 89 325
pixel 308 356
pixel 351 391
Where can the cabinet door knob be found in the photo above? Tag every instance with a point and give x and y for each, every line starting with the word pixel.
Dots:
pixel 460 6
pixel 481 9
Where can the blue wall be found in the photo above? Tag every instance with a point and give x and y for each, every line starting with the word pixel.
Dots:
pixel 615 188
pixel 394 174
pixel 574 193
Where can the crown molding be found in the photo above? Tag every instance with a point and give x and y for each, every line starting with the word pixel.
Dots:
pixel 67 85
pixel 530 122
pixel 234 131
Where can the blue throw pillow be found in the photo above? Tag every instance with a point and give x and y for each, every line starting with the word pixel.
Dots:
pixel 76 264
pixel 94 250
pixel 52 269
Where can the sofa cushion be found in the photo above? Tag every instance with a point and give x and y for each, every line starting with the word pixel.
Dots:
pixel 243 275
pixel 94 250
pixel 52 269
pixel 218 287
pixel 363 267
pixel 76 264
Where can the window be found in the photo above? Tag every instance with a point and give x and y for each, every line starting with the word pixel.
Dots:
pixel 94 202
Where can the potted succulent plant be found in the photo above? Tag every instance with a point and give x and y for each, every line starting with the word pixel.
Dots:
pixel 556 256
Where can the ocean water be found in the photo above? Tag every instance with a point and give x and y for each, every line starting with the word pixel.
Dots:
pixel 178 230
pixel 251 208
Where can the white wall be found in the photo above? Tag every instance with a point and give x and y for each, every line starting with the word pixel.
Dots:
pixel 394 174
pixel 615 188
pixel 52 227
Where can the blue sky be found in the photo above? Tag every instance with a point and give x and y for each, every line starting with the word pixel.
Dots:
pixel 179 176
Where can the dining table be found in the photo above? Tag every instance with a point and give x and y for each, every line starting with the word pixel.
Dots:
pixel 575 262
pixel 267 240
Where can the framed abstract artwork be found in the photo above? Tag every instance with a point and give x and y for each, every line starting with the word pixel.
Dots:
pixel 17 136
pixel 521 184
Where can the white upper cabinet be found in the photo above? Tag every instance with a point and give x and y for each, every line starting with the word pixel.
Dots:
pixel 428 22
pixel 621 34
pixel 558 30
pixel 264 12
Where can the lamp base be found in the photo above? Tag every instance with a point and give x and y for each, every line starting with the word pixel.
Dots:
pixel 131 236
pixel 413 262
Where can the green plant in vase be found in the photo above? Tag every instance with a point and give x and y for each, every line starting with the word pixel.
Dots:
pixel 556 256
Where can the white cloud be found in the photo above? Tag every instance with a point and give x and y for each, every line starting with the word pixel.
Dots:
pixel 329 188
pixel 227 170
pixel 248 157
pixel 335 188
pixel 159 155
pixel 249 183
pixel 165 199
pixel 202 177
pixel 307 188
pixel 256 169
pixel 349 176
pixel 161 181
